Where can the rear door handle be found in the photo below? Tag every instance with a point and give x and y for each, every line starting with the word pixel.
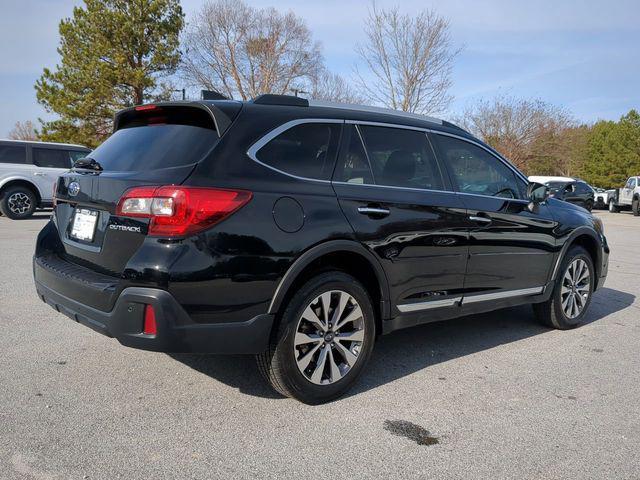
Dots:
pixel 374 211
pixel 39 174
pixel 479 219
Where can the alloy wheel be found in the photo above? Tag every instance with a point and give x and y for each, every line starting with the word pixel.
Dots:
pixel 19 203
pixel 329 337
pixel 576 288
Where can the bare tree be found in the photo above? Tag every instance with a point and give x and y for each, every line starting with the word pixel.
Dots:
pixel 408 59
pixel 243 51
pixel 522 130
pixel 23 131
pixel 334 88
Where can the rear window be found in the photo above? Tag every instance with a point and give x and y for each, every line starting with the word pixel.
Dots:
pixel 307 150
pixel 158 138
pixel 13 154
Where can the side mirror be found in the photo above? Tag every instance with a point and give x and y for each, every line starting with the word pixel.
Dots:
pixel 537 192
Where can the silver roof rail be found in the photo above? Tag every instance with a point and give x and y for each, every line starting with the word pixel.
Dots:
pixel 38 142
pixel 370 109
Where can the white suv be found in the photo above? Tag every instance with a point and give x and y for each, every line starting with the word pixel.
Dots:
pixel 627 197
pixel 28 171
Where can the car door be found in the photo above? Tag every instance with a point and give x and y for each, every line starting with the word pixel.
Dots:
pixel 570 193
pixel 511 248
pixel 50 164
pixel 585 193
pixel 400 205
pixel 626 194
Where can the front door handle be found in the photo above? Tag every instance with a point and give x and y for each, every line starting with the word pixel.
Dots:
pixel 374 211
pixel 39 174
pixel 479 219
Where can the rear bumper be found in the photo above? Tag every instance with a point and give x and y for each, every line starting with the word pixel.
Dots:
pixel 176 333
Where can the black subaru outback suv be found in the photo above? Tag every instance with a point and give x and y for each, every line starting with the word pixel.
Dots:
pixel 300 231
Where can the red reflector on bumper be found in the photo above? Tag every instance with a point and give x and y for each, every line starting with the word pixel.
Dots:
pixel 149 327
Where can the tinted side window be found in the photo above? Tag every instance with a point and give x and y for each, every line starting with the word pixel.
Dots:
pixel 582 188
pixel 13 154
pixel 476 171
pixel 44 157
pixel 401 158
pixel 353 166
pixel 306 150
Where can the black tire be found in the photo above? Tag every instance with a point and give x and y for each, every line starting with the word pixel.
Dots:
pixel 551 312
pixel 589 205
pixel 635 207
pixel 612 207
pixel 18 202
pixel 279 363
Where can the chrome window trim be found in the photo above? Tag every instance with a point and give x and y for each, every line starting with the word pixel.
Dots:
pixel 262 141
pixel 256 146
pixel 521 200
pixel 450 192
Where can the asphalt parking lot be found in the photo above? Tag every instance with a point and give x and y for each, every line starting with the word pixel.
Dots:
pixel 488 396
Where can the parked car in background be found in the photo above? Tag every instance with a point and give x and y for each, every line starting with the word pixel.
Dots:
pixel 28 171
pixel 601 199
pixel 569 189
pixel 626 198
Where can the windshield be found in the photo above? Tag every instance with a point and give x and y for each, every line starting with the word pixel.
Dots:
pixel 153 147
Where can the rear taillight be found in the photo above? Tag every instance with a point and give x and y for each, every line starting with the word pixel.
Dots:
pixel 180 211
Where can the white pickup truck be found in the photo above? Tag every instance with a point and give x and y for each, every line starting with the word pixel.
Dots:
pixel 627 197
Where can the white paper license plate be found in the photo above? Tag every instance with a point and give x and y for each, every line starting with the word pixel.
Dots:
pixel 84 224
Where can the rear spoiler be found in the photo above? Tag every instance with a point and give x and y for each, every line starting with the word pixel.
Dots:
pixel 222 112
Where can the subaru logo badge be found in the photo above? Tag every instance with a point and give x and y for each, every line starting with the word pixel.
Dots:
pixel 74 189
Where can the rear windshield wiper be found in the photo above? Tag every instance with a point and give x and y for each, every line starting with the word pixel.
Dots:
pixel 87 163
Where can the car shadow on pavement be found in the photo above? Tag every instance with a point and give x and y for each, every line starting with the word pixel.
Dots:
pixel 407 351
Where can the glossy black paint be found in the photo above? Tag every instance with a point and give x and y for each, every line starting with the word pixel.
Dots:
pixel 515 250
pixel 427 247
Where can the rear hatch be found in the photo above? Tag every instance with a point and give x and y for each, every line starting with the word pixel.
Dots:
pixel 151 145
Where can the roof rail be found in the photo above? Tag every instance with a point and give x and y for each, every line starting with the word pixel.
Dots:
pixel 272 99
pixel 370 109
pixel 40 142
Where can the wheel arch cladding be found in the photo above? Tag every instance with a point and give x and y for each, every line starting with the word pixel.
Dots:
pixel 590 244
pixel 345 256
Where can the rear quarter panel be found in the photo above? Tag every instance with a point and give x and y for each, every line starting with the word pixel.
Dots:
pixel 231 272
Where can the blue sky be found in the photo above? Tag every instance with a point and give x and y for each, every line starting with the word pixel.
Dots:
pixel 582 55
